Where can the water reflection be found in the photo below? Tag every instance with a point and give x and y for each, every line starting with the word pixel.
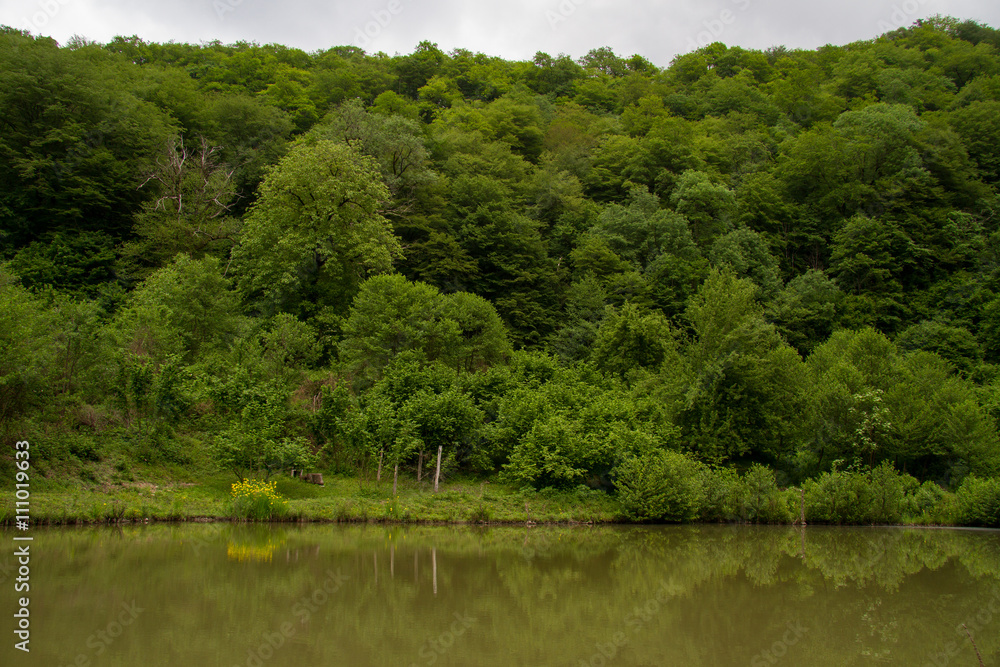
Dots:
pixel 230 595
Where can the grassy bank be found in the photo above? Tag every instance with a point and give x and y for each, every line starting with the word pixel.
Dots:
pixel 666 487
pixel 339 499
pixel 347 499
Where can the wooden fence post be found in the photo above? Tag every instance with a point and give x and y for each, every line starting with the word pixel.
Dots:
pixel 437 475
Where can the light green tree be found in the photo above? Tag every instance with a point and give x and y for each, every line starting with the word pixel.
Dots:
pixel 26 349
pixel 482 338
pixel 743 391
pixel 182 309
pixel 256 445
pixel 315 232
pixel 391 316
pixel 628 339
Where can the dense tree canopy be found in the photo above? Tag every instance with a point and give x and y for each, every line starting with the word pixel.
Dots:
pixel 554 269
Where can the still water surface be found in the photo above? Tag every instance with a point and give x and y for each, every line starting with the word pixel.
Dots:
pixel 254 596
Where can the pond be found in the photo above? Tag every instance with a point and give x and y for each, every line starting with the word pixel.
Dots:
pixel 356 595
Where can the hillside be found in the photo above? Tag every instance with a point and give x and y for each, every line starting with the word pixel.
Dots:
pixel 559 272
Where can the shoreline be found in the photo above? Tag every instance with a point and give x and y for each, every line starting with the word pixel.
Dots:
pixel 348 500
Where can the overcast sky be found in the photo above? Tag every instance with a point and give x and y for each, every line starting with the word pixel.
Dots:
pixel 514 29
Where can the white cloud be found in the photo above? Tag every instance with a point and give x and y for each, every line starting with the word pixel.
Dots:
pixel 516 29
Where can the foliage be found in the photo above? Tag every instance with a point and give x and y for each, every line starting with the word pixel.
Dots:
pixel 315 231
pixel 184 308
pixel 742 390
pixel 253 446
pixel 979 502
pixel 660 486
pixel 392 316
pixel 27 354
pixel 763 502
pixel 781 263
pixel 875 496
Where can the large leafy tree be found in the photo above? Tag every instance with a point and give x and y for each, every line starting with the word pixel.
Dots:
pixel 874 404
pixel 182 309
pixel 744 390
pixel 392 317
pixel 315 232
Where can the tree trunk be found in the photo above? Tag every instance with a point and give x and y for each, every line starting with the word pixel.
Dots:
pixel 437 475
pixel 420 466
pixel 395 477
pixel 378 475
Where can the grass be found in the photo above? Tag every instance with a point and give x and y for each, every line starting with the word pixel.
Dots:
pixel 342 499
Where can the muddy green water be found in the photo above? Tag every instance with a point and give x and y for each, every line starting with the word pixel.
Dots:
pixel 255 596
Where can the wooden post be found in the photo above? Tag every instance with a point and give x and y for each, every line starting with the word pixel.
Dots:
pixel 378 475
pixel 420 465
pixel 434 568
pixel 395 476
pixel 802 507
pixel 437 475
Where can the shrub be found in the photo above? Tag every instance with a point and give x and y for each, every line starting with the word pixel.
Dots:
pixel 887 495
pixel 838 496
pixel 925 500
pixel 256 500
pixel 660 486
pixel 862 497
pixel 551 454
pixel 979 502
pixel 83 447
pixel 722 492
pixel 763 502
pixel 480 514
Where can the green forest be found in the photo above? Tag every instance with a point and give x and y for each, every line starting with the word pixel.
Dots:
pixel 686 290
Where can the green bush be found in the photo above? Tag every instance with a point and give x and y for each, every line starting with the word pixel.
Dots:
pixel 861 497
pixel 838 496
pixel 722 495
pixel 762 501
pixel 551 454
pixel 660 486
pixel 979 502
pixel 49 448
pixel 925 500
pixel 83 447
pixel 886 493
